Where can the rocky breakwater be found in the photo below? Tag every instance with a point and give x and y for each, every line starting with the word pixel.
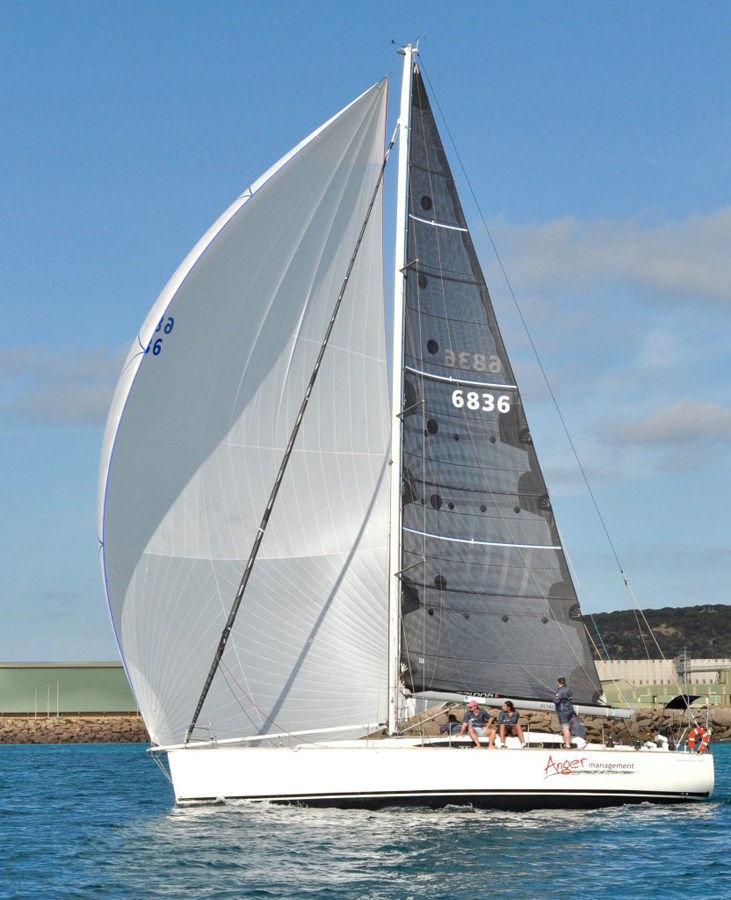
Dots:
pixel 643 725
pixel 72 730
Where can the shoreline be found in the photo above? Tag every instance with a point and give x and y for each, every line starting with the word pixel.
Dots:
pixel 83 729
pixel 643 725
pixel 73 729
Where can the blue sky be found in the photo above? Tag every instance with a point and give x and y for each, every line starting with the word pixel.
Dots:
pixel 596 137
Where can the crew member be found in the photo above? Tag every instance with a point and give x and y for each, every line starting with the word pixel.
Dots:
pixel 564 710
pixel 507 723
pixel 474 722
pixel 451 726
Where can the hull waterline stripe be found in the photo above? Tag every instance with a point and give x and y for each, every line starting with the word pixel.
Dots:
pixel 442 537
pixel 437 224
pixel 494 792
pixel 451 380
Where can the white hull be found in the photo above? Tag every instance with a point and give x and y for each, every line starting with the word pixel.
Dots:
pixel 403 772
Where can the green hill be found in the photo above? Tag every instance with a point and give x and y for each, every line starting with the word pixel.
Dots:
pixel 704 631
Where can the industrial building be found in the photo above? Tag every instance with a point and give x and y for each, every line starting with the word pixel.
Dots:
pixel 101 688
pixel 64 688
pixel 654 682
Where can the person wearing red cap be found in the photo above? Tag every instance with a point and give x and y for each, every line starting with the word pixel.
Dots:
pixel 474 722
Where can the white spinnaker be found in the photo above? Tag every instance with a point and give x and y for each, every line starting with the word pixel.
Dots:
pixel 196 434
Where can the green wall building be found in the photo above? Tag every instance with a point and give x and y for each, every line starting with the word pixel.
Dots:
pixel 64 688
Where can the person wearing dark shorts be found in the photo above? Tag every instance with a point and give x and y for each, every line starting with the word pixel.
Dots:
pixel 564 710
pixel 507 724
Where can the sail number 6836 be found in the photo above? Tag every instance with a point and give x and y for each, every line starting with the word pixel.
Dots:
pixel 484 402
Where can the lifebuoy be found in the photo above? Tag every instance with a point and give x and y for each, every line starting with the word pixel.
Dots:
pixel 696 734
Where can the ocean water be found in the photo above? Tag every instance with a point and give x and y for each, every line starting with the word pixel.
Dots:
pixel 97 821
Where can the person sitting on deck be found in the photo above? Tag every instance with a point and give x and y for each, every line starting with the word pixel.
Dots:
pixel 474 722
pixel 507 723
pixel 577 727
pixel 451 726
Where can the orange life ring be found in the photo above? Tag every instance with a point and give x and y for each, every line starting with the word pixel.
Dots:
pixel 704 736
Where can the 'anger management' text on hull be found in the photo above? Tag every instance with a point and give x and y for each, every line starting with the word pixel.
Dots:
pixel 291 560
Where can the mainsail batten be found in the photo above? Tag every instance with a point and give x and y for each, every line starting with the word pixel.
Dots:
pixel 456 540
pixel 451 380
pixel 488 604
pixel 186 471
pixel 480 598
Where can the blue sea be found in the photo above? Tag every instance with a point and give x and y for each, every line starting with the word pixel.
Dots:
pixel 98 820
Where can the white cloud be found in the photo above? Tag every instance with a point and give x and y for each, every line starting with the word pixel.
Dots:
pixel 687 257
pixel 71 387
pixel 69 404
pixel 660 349
pixel 678 423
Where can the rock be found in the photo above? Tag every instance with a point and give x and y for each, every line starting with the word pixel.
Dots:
pixel 72 729
pixel 721 716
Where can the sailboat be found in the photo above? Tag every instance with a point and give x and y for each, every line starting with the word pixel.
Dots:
pixel 291 559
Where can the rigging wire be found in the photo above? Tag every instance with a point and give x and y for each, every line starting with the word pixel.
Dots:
pixel 161 766
pixel 547 381
pixel 298 738
pixel 225 634
pixel 225 669
pixel 472 437
pixel 527 331
pixel 642 634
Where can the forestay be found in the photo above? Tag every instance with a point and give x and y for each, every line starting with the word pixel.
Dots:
pixel 198 425
pixel 488 604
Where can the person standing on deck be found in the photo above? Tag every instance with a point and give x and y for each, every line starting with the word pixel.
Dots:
pixel 564 710
pixel 474 722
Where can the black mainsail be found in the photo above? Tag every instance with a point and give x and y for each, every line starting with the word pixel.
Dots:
pixel 488 604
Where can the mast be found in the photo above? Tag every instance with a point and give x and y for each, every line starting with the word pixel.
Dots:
pixel 397 390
